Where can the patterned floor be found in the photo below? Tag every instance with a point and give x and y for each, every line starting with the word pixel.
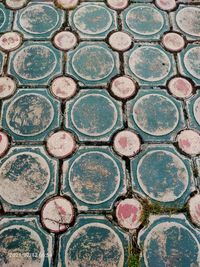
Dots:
pixel 100 133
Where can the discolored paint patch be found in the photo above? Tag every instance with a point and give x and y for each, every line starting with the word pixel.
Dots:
pixel 117 4
pixel 120 41
pixel 163 175
pixel 92 63
pixel 57 213
pixel 173 42
pixel 35 63
pixel 123 87
pixel 155 115
pixel 27 176
pixel 16 4
pixel 38 20
pixel 94 242
pixel 144 21
pixel 63 87
pixel 187 20
pixel 67 4
pixel 94 177
pixel 129 213
pixel 170 242
pixel 24 243
pixel 166 4
pixel 93 20
pixel 93 115
pixel 65 40
pixel 30 116
pixel 4 143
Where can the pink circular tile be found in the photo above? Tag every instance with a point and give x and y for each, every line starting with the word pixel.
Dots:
pixel 16 4
pixel 4 143
pixel 123 87
pixel 7 87
pixel 126 143
pixel 117 4
pixel 194 209
pixel 63 87
pixel 129 213
pixel 166 4
pixel 120 41
pixel 65 40
pixel 67 4
pixel 180 87
pixel 189 142
pixel 61 144
pixel 173 42
pixel 10 41
pixel 57 213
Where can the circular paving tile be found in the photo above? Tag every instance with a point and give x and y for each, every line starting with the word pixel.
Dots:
pixel 21 246
pixel 123 87
pixel 34 62
pixel 194 209
pixel 61 144
pixel 189 142
pixel 2 18
pixel 171 244
pixel 67 4
pixel 188 20
pixel 63 87
pixel 144 20
pixel 120 41
pixel 191 61
pixel 162 175
pixel 25 177
pixel 38 19
pixel 94 177
pixel 7 87
pixel 92 19
pixel 180 87
pixel 173 42
pixel 129 213
pixel 126 143
pixel 94 115
pixel 4 143
pixel 57 214
pixel 29 115
pixel 15 4
pixel 93 62
pixel 65 40
pixel 117 4
pixel 149 63
pixel 196 110
pixel 166 4
pixel 155 114
pixel 10 41
pixel 94 244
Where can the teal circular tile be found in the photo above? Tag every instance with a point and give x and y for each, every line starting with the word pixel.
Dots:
pixel 155 114
pixel 25 177
pixel 93 62
pixel 144 20
pixel 29 115
pixel 191 61
pixel 94 177
pixel 188 20
pixel 94 115
pixel 162 175
pixel 38 19
pixel 21 246
pixel 94 244
pixel 171 244
pixel 2 18
pixel 34 62
pixel 149 63
pixel 196 110
pixel 92 19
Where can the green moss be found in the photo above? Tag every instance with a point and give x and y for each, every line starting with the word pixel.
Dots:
pixel 134 260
